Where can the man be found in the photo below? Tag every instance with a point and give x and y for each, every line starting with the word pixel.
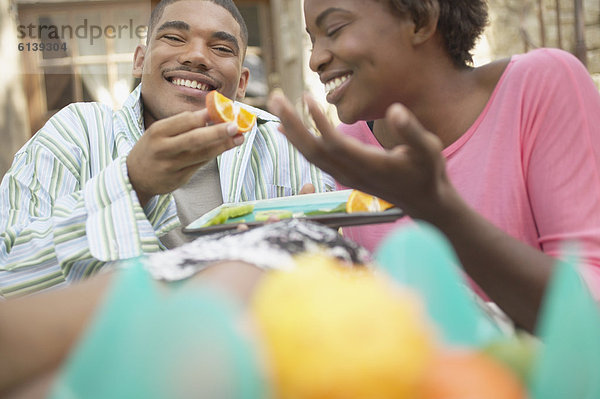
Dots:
pixel 95 186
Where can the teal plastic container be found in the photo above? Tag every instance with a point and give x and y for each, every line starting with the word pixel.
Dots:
pixel 569 327
pixel 146 343
pixel 420 257
pixel 568 364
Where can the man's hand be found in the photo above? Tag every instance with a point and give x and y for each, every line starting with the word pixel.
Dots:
pixel 308 188
pixel 172 149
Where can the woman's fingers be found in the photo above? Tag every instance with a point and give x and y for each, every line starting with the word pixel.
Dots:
pixel 343 157
pixel 402 121
pixel 293 127
pixel 322 123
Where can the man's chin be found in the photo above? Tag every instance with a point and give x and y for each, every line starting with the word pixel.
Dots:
pixel 172 111
pixel 188 103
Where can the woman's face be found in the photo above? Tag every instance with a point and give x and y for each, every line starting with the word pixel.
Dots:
pixel 363 55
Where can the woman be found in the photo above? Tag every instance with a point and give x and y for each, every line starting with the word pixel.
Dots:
pixel 502 158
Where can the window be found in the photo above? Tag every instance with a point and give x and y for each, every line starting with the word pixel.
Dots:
pixel 79 52
pixel 83 51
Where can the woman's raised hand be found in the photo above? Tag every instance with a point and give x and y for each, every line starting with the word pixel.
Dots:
pixel 410 175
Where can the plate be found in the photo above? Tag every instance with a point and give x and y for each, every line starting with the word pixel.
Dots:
pixel 298 204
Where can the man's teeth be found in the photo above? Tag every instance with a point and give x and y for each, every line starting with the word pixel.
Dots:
pixel 190 83
pixel 335 83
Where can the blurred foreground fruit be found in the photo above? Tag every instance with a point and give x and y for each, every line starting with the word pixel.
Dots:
pixel 363 202
pixel 222 109
pixel 331 332
pixel 518 352
pixel 468 374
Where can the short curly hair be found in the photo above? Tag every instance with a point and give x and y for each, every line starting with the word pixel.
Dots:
pixel 460 22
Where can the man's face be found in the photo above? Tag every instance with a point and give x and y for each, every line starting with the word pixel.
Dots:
pixel 195 47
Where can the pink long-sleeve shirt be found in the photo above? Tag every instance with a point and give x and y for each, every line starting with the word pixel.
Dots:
pixel 530 163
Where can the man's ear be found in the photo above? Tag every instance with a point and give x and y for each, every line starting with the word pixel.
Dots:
pixel 428 28
pixel 243 84
pixel 138 60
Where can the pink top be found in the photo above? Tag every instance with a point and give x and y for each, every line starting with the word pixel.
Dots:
pixel 530 162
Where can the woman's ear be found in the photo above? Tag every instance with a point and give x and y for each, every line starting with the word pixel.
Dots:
pixel 427 29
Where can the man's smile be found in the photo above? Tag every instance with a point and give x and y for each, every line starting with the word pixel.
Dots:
pixel 192 80
pixel 191 83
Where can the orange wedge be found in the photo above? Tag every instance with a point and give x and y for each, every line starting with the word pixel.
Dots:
pixel 222 109
pixel 363 202
pixel 245 120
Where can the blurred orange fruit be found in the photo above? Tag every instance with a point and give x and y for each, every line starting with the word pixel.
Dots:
pixel 363 202
pixel 518 352
pixel 222 109
pixel 333 332
pixel 468 374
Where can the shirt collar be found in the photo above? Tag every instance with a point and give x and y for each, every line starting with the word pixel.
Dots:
pixel 133 105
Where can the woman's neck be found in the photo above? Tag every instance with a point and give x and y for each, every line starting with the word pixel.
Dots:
pixel 449 103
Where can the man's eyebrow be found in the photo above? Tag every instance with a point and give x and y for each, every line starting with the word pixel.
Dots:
pixel 180 25
pixel 324 14
pixel 227 37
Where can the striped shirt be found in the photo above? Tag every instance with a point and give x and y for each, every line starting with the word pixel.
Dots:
pixel 67 207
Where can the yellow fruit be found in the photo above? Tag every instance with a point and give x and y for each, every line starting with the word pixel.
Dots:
pixel 221 109
pixel 363 202
pixel 332 332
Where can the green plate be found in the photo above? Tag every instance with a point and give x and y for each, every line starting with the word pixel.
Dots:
pixel 298 205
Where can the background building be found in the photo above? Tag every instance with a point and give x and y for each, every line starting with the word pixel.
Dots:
pixel 14 126
pixel 59 51
pixel 520 25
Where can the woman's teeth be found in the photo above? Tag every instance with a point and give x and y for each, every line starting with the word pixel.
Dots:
pixel 335 83
pixel 190 83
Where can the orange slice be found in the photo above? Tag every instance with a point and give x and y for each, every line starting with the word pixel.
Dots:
pixel 245 120
pixel 363 202
pixel 222 109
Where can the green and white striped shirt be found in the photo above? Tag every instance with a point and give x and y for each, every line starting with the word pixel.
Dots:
pixel 67 208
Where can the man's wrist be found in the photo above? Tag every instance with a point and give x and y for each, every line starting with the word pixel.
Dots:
pixel 143 197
